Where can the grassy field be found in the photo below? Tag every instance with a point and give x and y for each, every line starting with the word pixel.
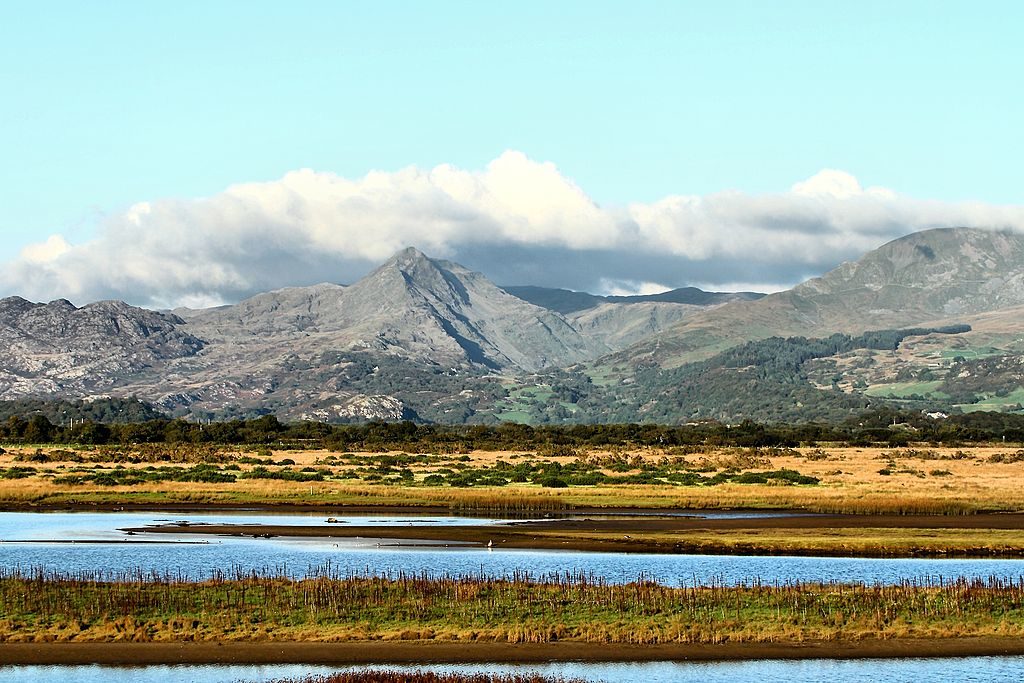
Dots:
pixel 907 389
pixel 1008 402
pixel 515 610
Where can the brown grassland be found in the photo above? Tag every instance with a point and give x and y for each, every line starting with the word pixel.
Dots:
pixel 886 501
pixel 923 480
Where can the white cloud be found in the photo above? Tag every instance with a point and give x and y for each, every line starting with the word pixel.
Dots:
pixel 629 288
pixel 45 252
pixel 762 287
pixel 519 221
pixel 835 184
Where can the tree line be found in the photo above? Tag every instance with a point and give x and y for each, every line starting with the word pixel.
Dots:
pixel 880 426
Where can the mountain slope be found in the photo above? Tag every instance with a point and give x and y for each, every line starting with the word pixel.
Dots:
pixel 429 339
pixel 930 277
pixel 619 321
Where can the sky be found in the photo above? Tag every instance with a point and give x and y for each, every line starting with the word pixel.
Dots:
pixel 198 152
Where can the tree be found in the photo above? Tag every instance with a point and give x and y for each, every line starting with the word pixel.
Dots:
pixel 38 430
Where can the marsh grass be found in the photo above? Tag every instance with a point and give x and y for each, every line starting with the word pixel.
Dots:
pixel 258 606
pixel 391 676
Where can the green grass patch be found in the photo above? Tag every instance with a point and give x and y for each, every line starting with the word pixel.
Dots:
pixel 515 609
pixel 907 390
pixel 996 403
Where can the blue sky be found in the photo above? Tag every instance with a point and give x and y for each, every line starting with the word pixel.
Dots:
pixel 111 103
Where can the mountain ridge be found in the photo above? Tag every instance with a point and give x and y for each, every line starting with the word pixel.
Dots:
pixel 926 277
pixel 428 339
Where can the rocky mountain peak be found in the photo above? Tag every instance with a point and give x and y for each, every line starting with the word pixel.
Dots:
pixel 411 273
pixel 407 256
pixel 13 306
pixel 59 348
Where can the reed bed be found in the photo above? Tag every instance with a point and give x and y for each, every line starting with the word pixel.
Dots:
pixel 390 676
pixel 138 606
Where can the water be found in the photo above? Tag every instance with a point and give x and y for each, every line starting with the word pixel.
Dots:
pixel 105 525
pixel 296 556
pixel 975 669
pixel 195 556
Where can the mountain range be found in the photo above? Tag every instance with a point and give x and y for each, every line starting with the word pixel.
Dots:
pixel 423 338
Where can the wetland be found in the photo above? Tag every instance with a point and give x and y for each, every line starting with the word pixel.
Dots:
pixel 201 556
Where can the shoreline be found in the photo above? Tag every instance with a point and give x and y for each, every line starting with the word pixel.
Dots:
pixel 430 652
pixel 388 508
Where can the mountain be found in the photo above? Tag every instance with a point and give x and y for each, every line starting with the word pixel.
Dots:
pixel 618 321
pixel 962 288
pixel 57 348
pixel 932 277
pixel 416 338
pixel 427 339
pixel 414 307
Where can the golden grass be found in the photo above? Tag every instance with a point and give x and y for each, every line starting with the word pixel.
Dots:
pixel 925 480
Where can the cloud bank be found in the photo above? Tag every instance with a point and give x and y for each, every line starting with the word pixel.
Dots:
pixel 518 221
